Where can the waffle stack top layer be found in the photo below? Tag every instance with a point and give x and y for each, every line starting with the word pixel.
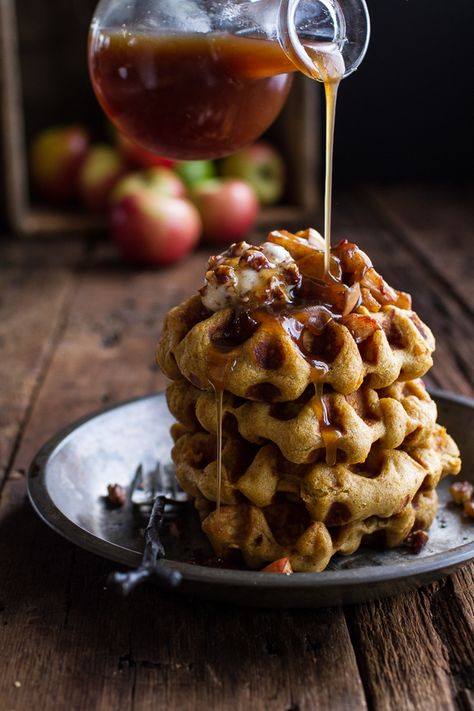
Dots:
pixel 329 437
pixel 342 330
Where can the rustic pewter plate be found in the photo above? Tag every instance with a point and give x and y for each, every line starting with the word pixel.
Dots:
pixel 68 479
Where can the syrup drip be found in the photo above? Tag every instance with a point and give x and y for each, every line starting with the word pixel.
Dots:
pixel 329 434
pixel 219 396
pixel 221 364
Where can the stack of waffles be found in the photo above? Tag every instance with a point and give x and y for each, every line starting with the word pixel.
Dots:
pixel 303 428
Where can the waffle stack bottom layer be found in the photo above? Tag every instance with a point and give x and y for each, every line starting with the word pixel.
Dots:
pixel 277 503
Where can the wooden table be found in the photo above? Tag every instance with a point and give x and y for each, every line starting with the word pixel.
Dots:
pixel 77 332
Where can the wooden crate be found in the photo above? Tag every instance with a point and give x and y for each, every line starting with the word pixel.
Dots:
pixel 44 81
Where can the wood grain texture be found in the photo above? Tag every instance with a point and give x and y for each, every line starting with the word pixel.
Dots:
pixel 437 223
pixel 401 656
pixel 87 339
pixel 106 352
pixel 222 658
pixel 33 303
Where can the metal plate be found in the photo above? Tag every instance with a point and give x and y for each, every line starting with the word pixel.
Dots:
pixel 68 479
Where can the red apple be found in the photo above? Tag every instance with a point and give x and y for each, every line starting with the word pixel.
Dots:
pixel 56 156
pixel 140 157
pixel 150 228
pixel 228 208
pixel 100 172
pixel 262 167
pixel 161 180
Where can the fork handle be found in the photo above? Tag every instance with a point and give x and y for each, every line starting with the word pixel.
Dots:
pixel 150 568
pixel 125 583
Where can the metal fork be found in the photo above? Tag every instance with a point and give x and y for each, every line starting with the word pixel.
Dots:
pixel 156 489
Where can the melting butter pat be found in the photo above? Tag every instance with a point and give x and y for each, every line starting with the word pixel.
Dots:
pixel 250 276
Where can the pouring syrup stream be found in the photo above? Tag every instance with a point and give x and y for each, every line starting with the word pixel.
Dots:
pixel 330 90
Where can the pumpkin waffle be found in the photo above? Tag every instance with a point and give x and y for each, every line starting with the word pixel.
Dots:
pixel 284 529
pixel 267 364
pixel 341 330
pixel 382 486
pixel 403 413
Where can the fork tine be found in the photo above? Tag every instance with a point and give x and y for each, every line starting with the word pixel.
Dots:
pixel 136 481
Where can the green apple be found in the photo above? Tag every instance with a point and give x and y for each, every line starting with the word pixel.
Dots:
pixel 194 172
pixel 262 167
pixel 160 180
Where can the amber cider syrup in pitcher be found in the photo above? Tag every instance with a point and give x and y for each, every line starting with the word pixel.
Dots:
pixel 190 96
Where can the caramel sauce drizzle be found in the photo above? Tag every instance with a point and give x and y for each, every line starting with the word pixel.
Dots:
pixel 329 434
pixel 328 67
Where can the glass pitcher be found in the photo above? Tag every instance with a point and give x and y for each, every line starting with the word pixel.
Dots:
pixel 194 79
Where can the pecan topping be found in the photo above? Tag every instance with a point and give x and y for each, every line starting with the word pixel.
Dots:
pixel 416 540
pixel 461 492
pixel 223 274
pixel 255 260
pixel 469 508
pixel 116 494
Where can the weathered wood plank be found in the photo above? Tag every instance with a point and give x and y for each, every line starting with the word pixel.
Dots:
pixel 452 609
pixel 106 353
pixel 154 651
pixel 210 656
pixel 33 301
pixel 402 659
pixel 438 223
pixel 58 626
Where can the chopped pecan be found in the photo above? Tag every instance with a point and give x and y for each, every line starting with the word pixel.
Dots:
pixel 469 508
pixel 292 274
pixel 254 259
pixel 461 492
pixel 416 540
pixel 223 274
pixel 116 494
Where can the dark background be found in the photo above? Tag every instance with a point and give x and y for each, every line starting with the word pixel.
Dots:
pixel 406 113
